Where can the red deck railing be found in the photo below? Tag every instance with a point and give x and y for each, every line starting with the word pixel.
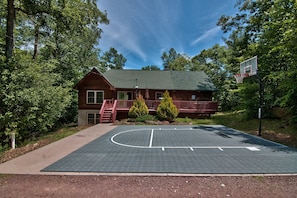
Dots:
pixel 208 107
pixel 105 105
pixel 200 107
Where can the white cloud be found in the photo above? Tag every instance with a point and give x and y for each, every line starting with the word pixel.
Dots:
pixel 207 35
pixel 142 30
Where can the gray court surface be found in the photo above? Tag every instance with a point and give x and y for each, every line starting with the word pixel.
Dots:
pixel 179 150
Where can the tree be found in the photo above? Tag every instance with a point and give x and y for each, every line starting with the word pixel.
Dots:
pixel 9 28
pixel 36 95
pixel 112 59
pixel 168 58
pixel 138 108
pixel 215 63
pixel 33 101
pixel 267 29
pixel 151 67
pixel 181 63
pixel 166 109
pixel 175 61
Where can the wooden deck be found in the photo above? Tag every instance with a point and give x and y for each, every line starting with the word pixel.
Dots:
pixel 188 107
pixel 183 106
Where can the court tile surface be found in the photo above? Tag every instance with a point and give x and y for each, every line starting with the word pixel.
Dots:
pixel 212 149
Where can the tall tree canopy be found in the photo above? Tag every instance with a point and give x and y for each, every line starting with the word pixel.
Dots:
pixel 268 29
pixel 111 59
pixel 150 67
pixel 45 46
pixel 175 61
pixel 215 63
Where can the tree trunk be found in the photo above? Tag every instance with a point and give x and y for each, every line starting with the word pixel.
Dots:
pixel 36 30
pixel 9 29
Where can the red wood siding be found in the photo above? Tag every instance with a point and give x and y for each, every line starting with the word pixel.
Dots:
pixel 93 82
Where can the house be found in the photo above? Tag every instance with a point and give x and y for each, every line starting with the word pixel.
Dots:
pixel 105 97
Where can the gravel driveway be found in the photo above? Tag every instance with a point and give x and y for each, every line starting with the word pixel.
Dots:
pixel 146 186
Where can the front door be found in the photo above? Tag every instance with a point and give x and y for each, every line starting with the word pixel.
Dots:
pixel 123 96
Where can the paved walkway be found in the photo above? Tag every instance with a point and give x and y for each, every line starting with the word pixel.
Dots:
pixel 34 161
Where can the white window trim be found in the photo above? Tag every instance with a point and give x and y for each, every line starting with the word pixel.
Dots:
pixel 95 95
pixel 96 115
pixel 156 93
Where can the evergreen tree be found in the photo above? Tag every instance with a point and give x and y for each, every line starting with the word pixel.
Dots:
pixel 138 108
pixel 166 109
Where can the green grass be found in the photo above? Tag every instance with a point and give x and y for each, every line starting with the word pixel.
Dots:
pixel 43 140
pixel 55 135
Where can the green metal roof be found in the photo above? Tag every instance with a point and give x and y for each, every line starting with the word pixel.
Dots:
pixel 163 80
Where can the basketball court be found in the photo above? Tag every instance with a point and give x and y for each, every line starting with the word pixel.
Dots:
pixel 212 149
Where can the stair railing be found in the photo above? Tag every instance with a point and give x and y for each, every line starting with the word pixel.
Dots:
pixel 103 107
pixel 114 111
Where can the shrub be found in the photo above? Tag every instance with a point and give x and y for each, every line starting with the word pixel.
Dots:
pixel 138 108
pixel 166 109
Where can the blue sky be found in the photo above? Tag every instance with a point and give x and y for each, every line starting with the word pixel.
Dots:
pixel 142 30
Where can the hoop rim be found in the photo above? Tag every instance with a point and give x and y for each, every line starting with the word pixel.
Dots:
pixel 239 77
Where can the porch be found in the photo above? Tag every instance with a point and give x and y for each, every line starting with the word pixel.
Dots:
pixel 110 108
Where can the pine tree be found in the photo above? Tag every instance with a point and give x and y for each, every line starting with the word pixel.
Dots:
pixel 138 108
pixel 166 109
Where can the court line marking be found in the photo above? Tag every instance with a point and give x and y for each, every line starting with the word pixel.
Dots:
pixel 151 138
pixel 220 149
pixel 175 147
pixel 253 148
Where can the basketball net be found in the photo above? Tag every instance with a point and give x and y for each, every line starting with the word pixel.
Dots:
pixel 239 77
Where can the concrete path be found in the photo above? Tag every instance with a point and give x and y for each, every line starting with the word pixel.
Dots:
pixel 34 161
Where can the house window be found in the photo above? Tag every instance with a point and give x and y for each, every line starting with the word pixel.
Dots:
pixel 159 95
pixel 95 97
pixel 193 97
pixel 93 118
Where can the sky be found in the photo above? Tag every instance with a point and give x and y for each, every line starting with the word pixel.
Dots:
pixel 141 30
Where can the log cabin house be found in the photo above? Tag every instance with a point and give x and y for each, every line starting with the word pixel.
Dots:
pixel 105 97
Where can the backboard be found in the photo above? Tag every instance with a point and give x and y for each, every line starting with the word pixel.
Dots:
pixel 249 66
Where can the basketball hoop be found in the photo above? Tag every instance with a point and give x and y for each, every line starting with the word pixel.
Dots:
pixel 239 77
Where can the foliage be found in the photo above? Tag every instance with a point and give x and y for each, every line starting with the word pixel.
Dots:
pixel 33 100
pixel 215 63
pixel 151 67
pixel 112 59
pixel 249 100
pixel 175 61
pixel 267 29
pixel 166 109
pixel 54 44
pixel 138 108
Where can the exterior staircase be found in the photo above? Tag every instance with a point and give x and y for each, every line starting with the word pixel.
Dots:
pixel 107 116
pixel 108 111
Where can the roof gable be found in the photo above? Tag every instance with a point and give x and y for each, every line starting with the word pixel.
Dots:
pixel 93 72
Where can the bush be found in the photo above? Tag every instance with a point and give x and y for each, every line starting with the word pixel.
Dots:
pixel 166 109
pixel 138 108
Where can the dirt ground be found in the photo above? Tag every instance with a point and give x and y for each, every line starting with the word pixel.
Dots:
pixel 146 186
